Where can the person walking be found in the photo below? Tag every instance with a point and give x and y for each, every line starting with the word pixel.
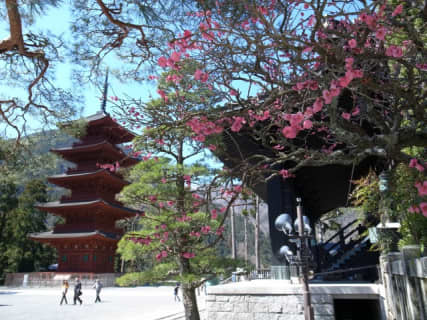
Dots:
pixel 175 293
pixel 98 286
pixel 65 287
pixel 77 291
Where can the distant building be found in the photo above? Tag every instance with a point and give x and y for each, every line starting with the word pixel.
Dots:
pixel 87 241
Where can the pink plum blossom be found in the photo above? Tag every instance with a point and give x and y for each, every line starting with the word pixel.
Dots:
pixel 285 174
pixel 349 63
pixel 381 33
pixel 394 51
pixel 237 124
pixel 205 229
pixel 188 255
pixel 238 189
pixel 423 207
pixel 346 115
pixel 219 231
pixel 398 10
pixel 318 105
pixel 307 124
pixel 352 43
pixel 327 96
pixel 176 56
pixel 414 209
pixel 289 132
pixel 162 62
pixel 422 188
pixel 278 147
pixel 414 164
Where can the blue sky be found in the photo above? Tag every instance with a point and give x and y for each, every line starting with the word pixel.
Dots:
pixel 59 22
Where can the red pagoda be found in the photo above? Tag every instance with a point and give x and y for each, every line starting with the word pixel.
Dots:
pixel 87 241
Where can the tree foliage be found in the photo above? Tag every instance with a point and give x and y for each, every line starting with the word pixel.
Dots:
pixel 19 218
pixel 181 224
pixel 402 199
pixel 313 82
pixel 27 64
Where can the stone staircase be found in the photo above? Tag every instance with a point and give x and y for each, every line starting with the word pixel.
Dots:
pixel 347 256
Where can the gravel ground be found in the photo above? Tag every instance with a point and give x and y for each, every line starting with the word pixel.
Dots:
pixel 145 303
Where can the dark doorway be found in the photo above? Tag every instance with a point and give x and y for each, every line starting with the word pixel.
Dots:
pixel 360 309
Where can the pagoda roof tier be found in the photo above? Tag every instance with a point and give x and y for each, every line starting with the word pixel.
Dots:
pixel 77 153
pixel 99 205
pixel 109 127
pixel 93 235
pixel 68 180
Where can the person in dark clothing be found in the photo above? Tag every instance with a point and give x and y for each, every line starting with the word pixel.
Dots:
pixel 77 291
pixel 64 292
pixel 98 287
pixel 175 293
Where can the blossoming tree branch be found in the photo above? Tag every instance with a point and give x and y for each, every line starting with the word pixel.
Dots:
pixel 311 82
pixel 326 82
pixel 185 203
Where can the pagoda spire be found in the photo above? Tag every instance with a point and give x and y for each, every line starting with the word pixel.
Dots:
pixel 104 94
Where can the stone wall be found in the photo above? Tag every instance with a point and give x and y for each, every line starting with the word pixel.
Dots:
pixel 54 279
pixel 279 300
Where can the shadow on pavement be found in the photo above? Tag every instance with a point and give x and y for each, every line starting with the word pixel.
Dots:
pixel 8 292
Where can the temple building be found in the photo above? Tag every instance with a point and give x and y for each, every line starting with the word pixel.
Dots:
pixel 87 240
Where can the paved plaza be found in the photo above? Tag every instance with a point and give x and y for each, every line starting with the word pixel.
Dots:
pixel 145 303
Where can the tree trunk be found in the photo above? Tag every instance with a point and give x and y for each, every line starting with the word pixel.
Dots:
pixel 190 303
pixel 188 293
pixel 16 38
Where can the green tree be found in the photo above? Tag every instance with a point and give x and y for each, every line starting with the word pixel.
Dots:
pixel 400 201
pixel 180 225
pixel 18 253
pixel 8 202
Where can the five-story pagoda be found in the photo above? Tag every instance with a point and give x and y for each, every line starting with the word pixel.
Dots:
pixel 87 241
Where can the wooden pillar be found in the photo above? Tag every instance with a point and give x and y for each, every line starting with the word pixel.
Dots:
pixel 416 309
pixel 387 280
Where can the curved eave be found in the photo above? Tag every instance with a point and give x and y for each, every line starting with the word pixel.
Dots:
pixel 129 162
pixel 63 209
pixel 73 154
pixel 322 188
pixel 101 119
pixel 51 237
pixel 66 180
pixel 121 134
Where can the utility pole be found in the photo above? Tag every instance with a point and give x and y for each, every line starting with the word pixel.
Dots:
pixel 246 238
pixel 308 310
pixel 233 234
pixel 257 257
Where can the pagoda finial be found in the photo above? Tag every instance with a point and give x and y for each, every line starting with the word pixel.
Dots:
pixel 104 94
